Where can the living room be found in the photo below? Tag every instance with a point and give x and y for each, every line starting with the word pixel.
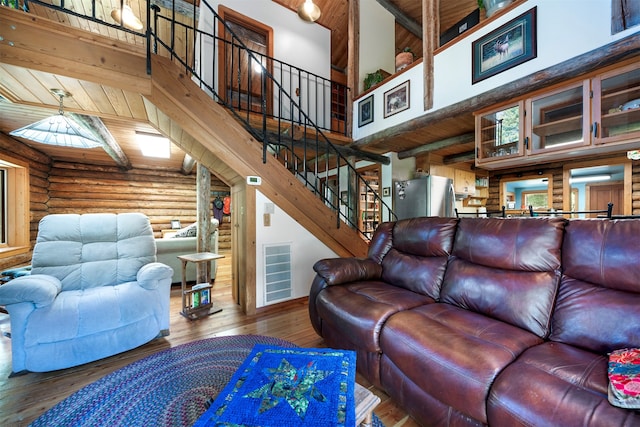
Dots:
pixel 43 187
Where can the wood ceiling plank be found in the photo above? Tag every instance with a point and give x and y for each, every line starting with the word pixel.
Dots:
pixel 13 82
pixel 136 105
pixel 118 101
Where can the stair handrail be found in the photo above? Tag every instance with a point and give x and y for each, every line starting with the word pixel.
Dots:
pixel 344 207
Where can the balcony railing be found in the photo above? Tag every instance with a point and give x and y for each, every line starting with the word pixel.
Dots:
pixel 286 108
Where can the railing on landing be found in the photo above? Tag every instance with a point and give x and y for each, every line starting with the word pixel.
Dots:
pixel 257 90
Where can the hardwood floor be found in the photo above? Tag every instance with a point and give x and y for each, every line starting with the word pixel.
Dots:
pixel 24 398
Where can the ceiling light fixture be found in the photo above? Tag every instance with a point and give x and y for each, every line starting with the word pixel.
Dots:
pixel 59 129
pixel 153 145
pixel 309 11
pixel 124 16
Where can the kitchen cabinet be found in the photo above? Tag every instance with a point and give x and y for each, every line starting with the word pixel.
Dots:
pixel 593 116
pixel 481 194
pixel 500 134
pixel 464 182
pixel 617 105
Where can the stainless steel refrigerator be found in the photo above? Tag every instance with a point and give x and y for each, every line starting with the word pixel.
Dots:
pixel 427 196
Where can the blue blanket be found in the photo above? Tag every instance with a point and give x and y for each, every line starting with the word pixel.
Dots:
pixel 282 387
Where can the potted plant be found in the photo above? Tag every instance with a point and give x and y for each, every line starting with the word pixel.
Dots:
pixel 404 58
pixel 492 6
pixel 372 79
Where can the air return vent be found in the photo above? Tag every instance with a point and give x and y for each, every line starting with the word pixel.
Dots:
pixel 277 272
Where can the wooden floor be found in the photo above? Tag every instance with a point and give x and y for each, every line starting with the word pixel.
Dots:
pixel 24 398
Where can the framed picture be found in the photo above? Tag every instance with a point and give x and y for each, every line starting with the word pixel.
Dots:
pixel 386 191
pixel 175 224
pixel 505 47
pixel 365 111
pixel 396 99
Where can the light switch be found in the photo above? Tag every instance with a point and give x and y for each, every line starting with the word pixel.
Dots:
pixel 266 220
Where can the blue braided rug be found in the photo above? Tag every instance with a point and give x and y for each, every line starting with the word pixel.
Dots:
pixel 171 388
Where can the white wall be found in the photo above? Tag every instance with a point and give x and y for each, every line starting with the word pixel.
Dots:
pixel 565 29
pixel 306 249
pixel 296 42
pixel 377 40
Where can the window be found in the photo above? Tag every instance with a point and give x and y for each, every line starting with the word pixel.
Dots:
pixel 14 206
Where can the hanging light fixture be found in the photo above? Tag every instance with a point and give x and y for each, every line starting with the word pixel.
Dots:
pixel 58 130
pixel 309 11
pixel 124 16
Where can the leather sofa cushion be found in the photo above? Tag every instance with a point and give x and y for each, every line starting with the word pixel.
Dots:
pixel 554 384
pixel 600 288
pixel 507 269
pixel 451 353
pixel 360 309
pixel 523 244
pixel 419 255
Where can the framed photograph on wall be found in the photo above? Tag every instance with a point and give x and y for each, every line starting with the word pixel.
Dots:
pixel 505 47
pixel 365 111
pixel 396 99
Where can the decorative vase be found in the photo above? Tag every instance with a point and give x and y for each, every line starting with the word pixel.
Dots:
pixel 403 59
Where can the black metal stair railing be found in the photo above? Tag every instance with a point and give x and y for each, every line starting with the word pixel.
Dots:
pixel 257 90
pixel 252 86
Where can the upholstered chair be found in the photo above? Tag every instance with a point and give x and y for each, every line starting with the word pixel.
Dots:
pixel 95 290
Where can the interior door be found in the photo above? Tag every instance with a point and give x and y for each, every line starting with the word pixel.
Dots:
pixel 600 195
pixel 242 83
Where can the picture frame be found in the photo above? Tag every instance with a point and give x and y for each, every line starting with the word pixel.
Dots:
pixel 505 47
pixel 396 99
pixel 365 111
pixel 386 191
pixel 175 224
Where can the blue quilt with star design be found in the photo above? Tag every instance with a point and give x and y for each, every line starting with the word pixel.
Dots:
pixel 282 387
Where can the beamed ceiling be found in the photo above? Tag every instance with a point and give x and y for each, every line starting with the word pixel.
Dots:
pixel 26 97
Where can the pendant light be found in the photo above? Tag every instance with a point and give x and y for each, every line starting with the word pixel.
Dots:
pixel 309 11
pixel 124 16
pixel 58 130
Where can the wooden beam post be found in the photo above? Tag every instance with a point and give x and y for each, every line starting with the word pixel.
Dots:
pixel 430 32
pixel 96 126
pixel 203 203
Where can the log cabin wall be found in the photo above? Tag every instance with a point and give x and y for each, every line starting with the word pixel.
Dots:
pixel 39 167
pixel 61 187
pixel 159 194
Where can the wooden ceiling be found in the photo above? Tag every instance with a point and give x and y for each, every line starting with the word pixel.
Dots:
pixel 26 97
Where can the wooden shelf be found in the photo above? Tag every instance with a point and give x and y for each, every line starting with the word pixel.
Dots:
pixel 559 126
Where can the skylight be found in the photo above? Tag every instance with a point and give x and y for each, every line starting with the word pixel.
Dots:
pixel 154 145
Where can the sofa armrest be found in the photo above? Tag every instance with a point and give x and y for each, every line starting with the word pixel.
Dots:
pixel 151 274
pixel 344 270
pixel 39 289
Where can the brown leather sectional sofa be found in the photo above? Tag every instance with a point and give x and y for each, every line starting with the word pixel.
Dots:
pixel 487 321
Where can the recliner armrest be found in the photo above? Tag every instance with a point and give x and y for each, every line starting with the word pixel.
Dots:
pixel 40 289
pixel 150 274
pixel 344 270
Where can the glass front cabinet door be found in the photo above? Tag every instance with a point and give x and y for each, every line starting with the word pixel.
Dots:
pixel 499 134
pixel 617 105
pixel 558 120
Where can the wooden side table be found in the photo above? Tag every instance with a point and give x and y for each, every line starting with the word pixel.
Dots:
pixel 366 402
pixel 195 303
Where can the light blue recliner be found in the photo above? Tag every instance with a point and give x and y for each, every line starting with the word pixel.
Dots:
pixel 95 290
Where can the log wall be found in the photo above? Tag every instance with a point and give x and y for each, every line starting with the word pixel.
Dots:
pixel 161 195
pixel 62 187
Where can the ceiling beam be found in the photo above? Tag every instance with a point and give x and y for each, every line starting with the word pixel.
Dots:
pixel 459 158
pixel 187 164
pixel 465 138
pixel 401 18
pixel 96 126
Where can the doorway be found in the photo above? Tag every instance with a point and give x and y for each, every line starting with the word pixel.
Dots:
pixel 242 83
pixel 599 195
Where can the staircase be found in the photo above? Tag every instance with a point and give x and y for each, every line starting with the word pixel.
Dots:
pixel 294 154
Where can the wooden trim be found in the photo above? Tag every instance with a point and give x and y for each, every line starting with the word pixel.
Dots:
pixel 237 18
